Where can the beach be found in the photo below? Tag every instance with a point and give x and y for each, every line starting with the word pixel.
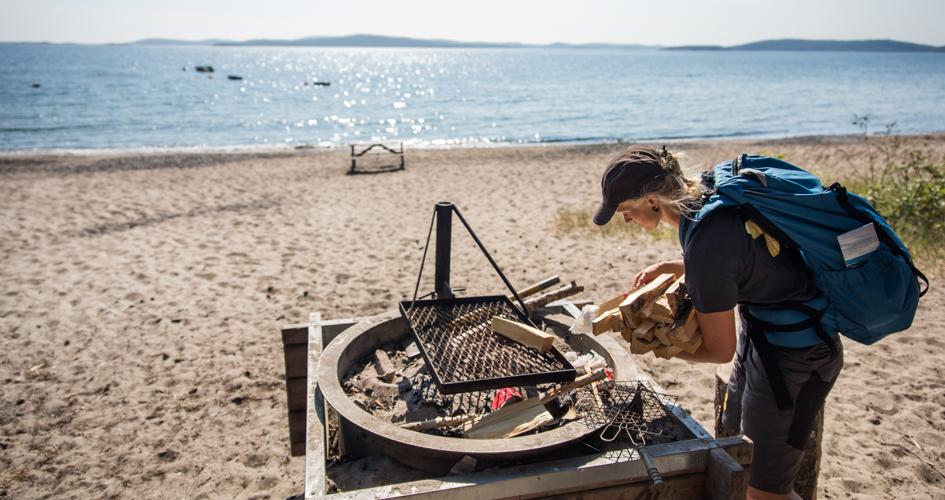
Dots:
pixel 143 297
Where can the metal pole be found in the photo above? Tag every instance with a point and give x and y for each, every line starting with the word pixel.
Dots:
pixel 444 229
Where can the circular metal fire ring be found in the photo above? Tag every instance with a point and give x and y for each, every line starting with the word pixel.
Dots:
pixel 363 435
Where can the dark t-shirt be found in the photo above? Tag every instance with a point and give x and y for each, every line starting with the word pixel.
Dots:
pixel 725 266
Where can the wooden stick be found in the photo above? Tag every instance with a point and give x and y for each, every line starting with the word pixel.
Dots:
pixel 545 298
pixel 577 384
pixel 437 422
pixel 537 287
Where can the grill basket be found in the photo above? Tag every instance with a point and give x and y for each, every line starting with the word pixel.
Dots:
pixel 463 354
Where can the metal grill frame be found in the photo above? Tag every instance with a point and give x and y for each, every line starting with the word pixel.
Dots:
pixel 446 387
pixel 617 414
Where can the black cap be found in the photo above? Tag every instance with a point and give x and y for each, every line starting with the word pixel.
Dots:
pixel 627 177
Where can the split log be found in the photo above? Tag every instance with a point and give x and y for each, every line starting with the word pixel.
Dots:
pixel 638 299
pixel 511 420
pixel 685 326
pixel 634 320
pixel 677 295
pixel 645 328
pixel 660 306
pixel 603 323
pixel 690 345
pixel 523 334
pixel 662 333
pixel 616 321
pixel 667 352
pixel 641 346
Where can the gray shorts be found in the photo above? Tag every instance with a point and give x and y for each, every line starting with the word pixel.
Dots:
pixel 779 436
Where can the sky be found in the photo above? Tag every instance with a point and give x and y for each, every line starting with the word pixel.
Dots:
pixel 666 22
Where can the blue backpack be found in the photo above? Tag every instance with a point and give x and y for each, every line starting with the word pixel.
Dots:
pixel 864 303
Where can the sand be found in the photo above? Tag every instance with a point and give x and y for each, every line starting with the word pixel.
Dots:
pixel 142 300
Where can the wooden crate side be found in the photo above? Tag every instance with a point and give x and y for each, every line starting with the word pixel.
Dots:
pixel 296 389
pixel 295 334
pixel 296 361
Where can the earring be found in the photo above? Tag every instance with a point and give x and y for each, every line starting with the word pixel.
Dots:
pixel 656 209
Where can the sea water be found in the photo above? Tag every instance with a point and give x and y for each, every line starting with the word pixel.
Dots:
pixel 75 98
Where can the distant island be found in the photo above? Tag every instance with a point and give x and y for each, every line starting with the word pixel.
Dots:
pixel 788 44
pixel 822 45
pixel 388 41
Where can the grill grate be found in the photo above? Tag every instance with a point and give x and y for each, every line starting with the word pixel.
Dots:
pixel 633 408
pixel 464 354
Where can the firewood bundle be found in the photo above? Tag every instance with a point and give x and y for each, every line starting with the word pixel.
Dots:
pixel 656 317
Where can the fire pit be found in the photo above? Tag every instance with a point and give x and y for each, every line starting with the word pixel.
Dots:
pixel 363 435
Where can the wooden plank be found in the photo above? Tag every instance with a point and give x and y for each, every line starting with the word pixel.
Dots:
pixel 296 360
pixel 689 486
pixel 295 392
pixel 297 425
pixel 739 447
pixel 295 334
pixel 523 334
pixel 725 479
pixel 635 301
pixel 297 448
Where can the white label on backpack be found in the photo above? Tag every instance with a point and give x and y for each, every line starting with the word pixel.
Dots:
pixel 857 245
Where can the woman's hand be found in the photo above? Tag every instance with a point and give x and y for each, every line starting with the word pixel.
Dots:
pixel 652 272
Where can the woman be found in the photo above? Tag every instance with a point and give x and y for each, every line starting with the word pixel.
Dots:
pixel 726 266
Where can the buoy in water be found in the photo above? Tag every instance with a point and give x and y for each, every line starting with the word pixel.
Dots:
pixel 35 85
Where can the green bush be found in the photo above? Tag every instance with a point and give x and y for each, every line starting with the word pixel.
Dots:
pixel 911 196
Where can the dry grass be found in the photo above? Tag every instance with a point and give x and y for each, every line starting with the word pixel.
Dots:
pixel 579 220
